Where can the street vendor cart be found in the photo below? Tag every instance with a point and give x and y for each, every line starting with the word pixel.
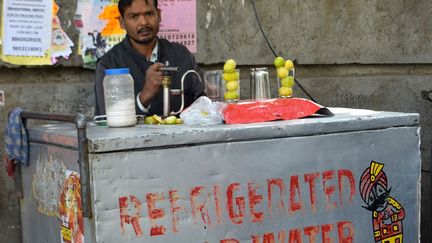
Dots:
pixel 352 177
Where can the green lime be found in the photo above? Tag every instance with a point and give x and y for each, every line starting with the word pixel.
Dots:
pixel 282 72
pixel 279 62
pixel 171 120
pixel 150 120
pixel 158 119
pixel 285 92
pixel 288 81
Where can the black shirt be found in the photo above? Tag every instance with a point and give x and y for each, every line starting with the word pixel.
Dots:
pixel 123 55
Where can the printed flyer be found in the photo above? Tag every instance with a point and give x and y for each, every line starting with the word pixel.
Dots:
pixel 31 33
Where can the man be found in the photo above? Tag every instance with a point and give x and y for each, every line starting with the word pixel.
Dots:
pixel 144 54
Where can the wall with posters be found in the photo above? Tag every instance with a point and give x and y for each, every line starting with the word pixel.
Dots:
pixel 361 54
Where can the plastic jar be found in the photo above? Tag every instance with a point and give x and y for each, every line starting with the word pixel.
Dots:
pixel 119 98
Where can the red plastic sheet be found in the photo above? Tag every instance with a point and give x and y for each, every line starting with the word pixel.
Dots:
pixel 270 110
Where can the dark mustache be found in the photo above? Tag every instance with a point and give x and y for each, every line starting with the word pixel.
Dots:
pixel 144 29
pixel 379 201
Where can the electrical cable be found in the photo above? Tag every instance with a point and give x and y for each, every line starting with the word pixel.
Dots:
pixel 274 52
pixel 262 31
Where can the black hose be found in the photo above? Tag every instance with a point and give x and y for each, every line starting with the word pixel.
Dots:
pixel 262 31
pixel 274 52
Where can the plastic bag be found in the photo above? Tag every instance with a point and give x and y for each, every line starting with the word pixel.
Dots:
pixel 272 109
pixel 203 112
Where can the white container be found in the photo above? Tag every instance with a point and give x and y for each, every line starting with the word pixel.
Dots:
pixel 119 98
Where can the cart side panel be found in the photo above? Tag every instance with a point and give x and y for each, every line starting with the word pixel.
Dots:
pixel 298 188
pixel 43 181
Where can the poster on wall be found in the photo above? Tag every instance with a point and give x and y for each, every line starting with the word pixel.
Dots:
pixel 31 33
pixel 97 22
pixel 61 44
pixel 27 27
pixel 26 30
pixel 180 28
pixel 99 26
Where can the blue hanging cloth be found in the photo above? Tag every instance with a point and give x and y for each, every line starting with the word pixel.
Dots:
pixel 16 142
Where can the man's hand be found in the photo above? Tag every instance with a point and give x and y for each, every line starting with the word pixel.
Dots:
pixel 152 84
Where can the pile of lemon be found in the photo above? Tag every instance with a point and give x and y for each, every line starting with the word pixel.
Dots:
pixel 231 76
pixel 283 69
pixel 157 120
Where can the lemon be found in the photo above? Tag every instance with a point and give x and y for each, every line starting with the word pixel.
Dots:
pixel 285 91
pixel 229 66
pixel 289 64
pixel 150 120
pixel 171 120
pixel 282 72
pixel 179 121
pixel 279 62
pixel 158 119
pixel 231 95
pixel 288 81
pixel 233 76
pixel 232 85
pixel 231 61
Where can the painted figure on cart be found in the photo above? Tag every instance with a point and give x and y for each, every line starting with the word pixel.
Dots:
pixel 70 211
pixel 387 213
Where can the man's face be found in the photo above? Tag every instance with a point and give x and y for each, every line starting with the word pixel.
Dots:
pixel 141 21
pixel 378 198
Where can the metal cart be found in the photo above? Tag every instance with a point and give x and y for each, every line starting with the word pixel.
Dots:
pixel 353 177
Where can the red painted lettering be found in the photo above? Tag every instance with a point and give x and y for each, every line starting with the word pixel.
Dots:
pixel 256 239
pixel 349 175
pixel 229 241
pixel 311 180
pixel 173 197
pixel 295 190
pixel 325 230
pixel 329 189
pixel 216 193
pixel 254 199
pixel 236 218
pixel 281 185
pixel 295 236
pixel 268 238
pixel 125 218
pixel 281 236
pixel 345 232
pixel 155 213
pixel 311 231
pixel 199 207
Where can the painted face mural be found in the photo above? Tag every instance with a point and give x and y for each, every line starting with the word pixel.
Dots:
pixel 387 213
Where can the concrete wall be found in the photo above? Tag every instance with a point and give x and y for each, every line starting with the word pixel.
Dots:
pixel 372 54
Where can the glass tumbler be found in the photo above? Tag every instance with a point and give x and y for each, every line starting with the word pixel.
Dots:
pixel 286 84
pixel 259 84
pixel 214 85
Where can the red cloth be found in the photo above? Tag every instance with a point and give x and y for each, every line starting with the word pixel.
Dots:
pixel 270 109
pixel 10 165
